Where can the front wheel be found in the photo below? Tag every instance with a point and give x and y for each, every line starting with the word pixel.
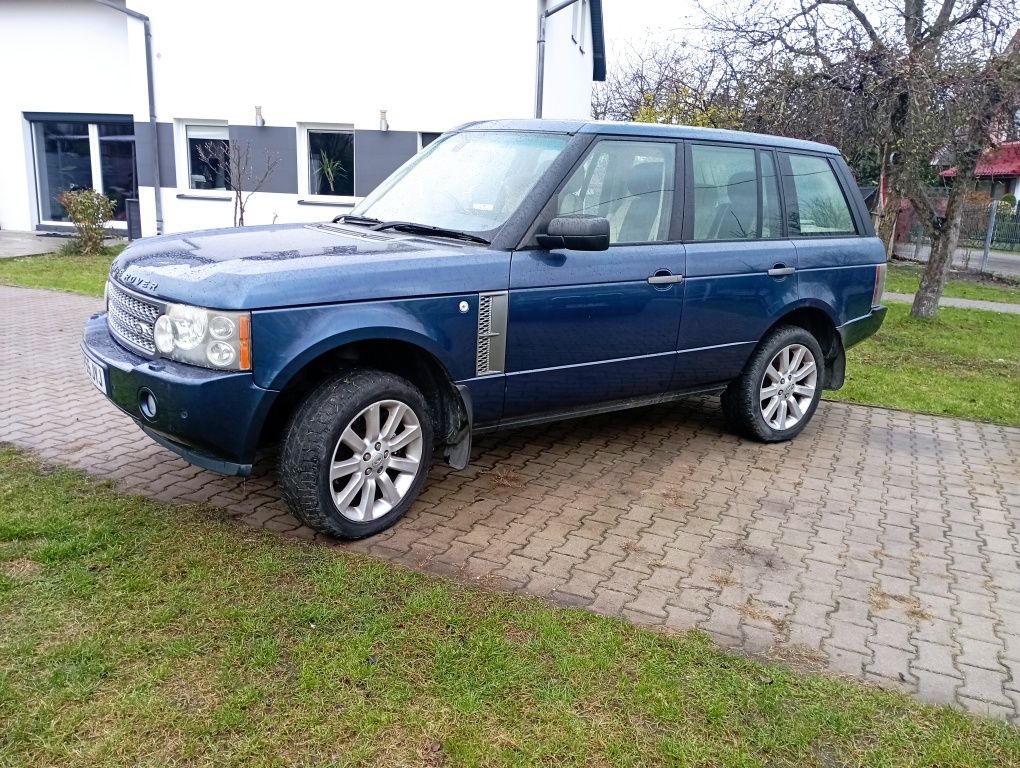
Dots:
pixel 356 453
pixel 778 391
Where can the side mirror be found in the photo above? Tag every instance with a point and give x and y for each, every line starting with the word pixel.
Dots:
pixel 578 233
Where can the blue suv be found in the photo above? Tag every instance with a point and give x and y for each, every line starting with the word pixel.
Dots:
pixel 512 273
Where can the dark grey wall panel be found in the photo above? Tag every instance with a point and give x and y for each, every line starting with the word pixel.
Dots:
pixel 77 117
pixel 281 143
pixel 377 154
pixel 143 154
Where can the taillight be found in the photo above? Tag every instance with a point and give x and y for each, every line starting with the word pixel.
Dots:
pixel 876 297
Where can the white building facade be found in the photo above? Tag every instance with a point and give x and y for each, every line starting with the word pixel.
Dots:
pixel 335 94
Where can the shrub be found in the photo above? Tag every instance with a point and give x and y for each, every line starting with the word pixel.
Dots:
pixel 89 211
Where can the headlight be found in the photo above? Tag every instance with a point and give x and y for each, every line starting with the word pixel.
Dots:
pixel 205 337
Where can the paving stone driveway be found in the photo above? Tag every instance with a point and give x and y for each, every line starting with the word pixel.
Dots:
pixel 879 544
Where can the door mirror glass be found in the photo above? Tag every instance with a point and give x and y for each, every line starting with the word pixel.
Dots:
pixel 578 233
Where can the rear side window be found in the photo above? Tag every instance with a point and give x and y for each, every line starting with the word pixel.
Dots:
pixel 816 206
pixel 736 193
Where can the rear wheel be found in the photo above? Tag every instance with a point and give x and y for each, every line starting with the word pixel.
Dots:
pixel 356 454
pixel 778 391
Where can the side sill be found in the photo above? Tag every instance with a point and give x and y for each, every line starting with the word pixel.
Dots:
pixel 594 410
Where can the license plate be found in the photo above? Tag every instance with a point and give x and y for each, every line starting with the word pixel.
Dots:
pixel 96 372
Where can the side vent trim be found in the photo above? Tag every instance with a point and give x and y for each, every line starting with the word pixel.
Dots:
pixel 492 315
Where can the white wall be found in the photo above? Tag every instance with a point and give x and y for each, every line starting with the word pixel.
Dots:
pixel 431 65
pixel 55 56
pixel 568 64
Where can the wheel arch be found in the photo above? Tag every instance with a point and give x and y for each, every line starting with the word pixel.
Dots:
pixel 402 353
pixel 818 319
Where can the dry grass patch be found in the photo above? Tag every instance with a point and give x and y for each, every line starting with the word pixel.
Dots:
pixel 723 580
pixel 881 600
pixel 506 478
pixel 22 569
pixel 751 610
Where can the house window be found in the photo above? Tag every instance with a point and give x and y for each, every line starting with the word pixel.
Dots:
pixel 80 155
pixel 330 162
pixel 208 156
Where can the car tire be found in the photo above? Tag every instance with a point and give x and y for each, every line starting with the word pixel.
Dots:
pixel 777 393
pixel 356 454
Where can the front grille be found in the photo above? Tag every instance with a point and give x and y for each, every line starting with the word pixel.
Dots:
pixel 131 318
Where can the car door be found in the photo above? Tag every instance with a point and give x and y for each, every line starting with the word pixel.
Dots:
pixel 587 327
pixel 741 267
pixel 835 263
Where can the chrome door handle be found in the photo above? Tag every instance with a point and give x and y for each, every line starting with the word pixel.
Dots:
pixel 781 271
pixel 665 279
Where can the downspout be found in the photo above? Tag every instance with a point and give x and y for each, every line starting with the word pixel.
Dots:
pixel 540 67
pixel 152 105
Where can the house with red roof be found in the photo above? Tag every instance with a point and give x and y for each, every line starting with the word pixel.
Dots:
pixel 998 172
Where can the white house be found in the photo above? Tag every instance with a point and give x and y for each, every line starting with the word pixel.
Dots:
pixel 339 93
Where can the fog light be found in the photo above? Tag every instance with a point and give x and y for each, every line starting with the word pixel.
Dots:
pixel 147 403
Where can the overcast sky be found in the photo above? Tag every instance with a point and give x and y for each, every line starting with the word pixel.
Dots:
pixel 632 22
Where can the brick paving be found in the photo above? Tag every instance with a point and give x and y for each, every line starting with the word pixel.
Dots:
pixel 881 545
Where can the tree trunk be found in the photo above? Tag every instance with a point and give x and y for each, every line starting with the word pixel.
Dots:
pixel 940 260
pixel 887 222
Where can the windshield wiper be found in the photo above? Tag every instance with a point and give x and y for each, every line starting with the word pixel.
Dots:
pixel 428 229
pixel 347 218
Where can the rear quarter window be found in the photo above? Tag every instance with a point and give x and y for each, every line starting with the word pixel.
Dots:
pixel 816 205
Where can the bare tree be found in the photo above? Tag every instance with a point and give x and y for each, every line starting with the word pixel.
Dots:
pixel 242 174
pixel 926 69
pixel 717 87
pixel 993 99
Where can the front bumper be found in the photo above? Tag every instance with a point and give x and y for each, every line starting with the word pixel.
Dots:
pixel 211 418
pixel 858 330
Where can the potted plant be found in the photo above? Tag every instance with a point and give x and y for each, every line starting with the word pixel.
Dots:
pixel 330 169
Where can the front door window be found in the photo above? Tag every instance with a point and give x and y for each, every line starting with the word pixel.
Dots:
pixel 64 162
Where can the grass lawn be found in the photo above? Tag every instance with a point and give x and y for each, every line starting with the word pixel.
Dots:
pixel 135 633
pixel 77 274
pixel 964 363
pixel 904 278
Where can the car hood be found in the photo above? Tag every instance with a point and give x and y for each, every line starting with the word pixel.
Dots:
pixel 288 265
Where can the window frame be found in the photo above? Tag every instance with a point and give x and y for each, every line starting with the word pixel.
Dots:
pixel 92 124
pixel 758 149
pixel 182 159
pixel 304 177
pixel 677 209
pixel 789 192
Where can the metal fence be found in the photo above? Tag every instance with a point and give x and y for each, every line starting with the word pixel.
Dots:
pixel 986 227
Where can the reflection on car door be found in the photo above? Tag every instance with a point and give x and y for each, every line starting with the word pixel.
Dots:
pixel 587 327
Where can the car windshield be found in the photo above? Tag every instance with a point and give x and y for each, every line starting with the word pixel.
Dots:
pixel 469 182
